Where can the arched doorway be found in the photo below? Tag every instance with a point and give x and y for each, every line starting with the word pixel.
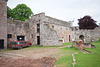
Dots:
pixel 81 37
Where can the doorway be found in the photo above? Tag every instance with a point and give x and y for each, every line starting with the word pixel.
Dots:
pixel 81 37
pixel 1 44
pixel 38 40
pixel 20 38
pixel 69 38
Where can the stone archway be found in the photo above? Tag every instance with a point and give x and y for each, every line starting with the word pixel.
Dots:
pixel 81 37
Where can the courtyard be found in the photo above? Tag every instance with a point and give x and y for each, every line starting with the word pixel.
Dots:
pixel 54 56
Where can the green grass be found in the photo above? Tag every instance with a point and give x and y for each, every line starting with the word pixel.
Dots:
pixel 89 60
pixel 82 59
pixel 66 59
pixel 69 43
pixel 64 44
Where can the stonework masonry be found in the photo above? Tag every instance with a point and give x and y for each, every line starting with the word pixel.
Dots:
pixel 41 30
pixel 89 35
pixel 52 30
pixel 18 28
pixel 3 24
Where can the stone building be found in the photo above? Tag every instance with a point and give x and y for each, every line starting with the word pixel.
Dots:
pixel 17 30
pixel 48 31
pixel 87 35
pixel 40 30
pixel 3 24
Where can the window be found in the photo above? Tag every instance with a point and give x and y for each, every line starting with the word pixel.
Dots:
pixel 32 35
pixel 38 28
pixel 13 43
pixel 22 42
pixel 19 43
pixel 9 36
pixel 52 26
pixel 25 42
pixel 76 28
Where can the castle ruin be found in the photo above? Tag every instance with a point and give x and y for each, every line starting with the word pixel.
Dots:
pixel 88 35
pixel 40 30
pixel 3 24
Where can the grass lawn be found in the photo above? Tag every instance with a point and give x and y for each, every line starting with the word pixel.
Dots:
pixel 69 43
pixel 82 59
pixel 66 59
pixel 89 60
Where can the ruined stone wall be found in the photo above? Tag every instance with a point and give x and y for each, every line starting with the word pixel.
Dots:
pixel 49 35
pixel 62 28
pixel 35 19
pixel 3 22
pixel 18 28
pixel 32 31
pixel 57 21
pixel 51 31
pixel 89 35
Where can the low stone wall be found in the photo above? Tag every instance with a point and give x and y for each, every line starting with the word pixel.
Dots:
pixel 80 45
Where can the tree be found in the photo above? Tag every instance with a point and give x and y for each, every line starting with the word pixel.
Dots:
pixel 21 12
pixel 9 12
pixel 87 23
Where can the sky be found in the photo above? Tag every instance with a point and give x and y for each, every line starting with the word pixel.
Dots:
pixel 67 10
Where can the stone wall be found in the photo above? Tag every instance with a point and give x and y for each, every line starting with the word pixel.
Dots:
pixel 51 30
pixel 49 36
pixel 41 30
pixel 18 28
pixel 57 21
pixel 80 45
pixel 89 35
pixel 3 22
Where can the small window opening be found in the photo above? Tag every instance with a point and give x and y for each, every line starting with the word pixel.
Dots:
pixel 32 35
pixel 52 26
pixel 38 28
pixel 9 36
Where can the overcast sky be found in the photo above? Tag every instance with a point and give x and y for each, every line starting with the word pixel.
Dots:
pixel 67 10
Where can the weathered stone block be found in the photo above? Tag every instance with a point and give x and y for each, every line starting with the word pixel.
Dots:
pixel 80 45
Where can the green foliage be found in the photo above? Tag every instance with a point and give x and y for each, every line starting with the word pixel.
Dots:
pixel 9 12
pixel 20 12
pixel 99 39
